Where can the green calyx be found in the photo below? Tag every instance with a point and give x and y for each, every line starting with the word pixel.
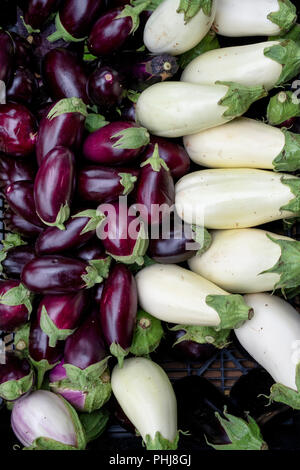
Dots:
pixel 44 443
pixel 285 17
pixel 61 218
pixel 96 217
pixel 153 4
pixel 293 34
pixel 140 248
pixel 41 368
pixel 94 423
pixel 102 266
pixel 120 353
pixel 18 295
pixel 62 33
pixel 289 157
pixel 14 389
pixel 208 43
pixel 131 138
pixel 135 268
pixel 202 237
pixel 132 95
pixel 232 310
pixel 244 435
pixel 294 204
pixel 147 334
pixel 282 107
pixel 191 8
pixel 239 98
pixel 87 56
pixel 96 271
pixel 50 329
pixel 155 161
pixel 21 339
pixel 94 122
pixel 12 240
pixel 127 180
pixel 68 105
pixel 282 394
pixel 203 335
pixel 29 28
pixel 89 377
pixel 134 13
pixel 287 53
pixel 160 443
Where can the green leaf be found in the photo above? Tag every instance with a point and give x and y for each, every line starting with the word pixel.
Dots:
pixel 96 217
pixel 285 17
pixel 127 181
pixel 203 335
pixel 87 378
pixel 160 443
pixel 94 423
pixel 67 105
pixel 94 122
pixel 147 334
pixel 190 8
pixel 50 329
pixel 287 53
pixel 140 248
pixel 208 43
pixel 62 33
pixel 293 34
pixel 294 204
pixel 232 310
pixel 11 240
pixel 239 98
pixel 18 295
pixel 289 157
pixel 131 138
pixel 202 237
pixel 155 161
pixel 282 107
pixel 61 218
pixel 134 14
pixel 14 389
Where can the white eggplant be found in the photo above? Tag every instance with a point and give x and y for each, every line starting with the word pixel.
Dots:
pixel 175 109
pixel 238 18
pixel 249 261
pixel 145 394
pixel 171 31
pixel 177 295
pixel 236 198
pixel 268 64
pixel 245 143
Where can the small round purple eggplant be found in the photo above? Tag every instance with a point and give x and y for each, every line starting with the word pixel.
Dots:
pixel 23 51
pixel 118 143
pixel 16 377
pixel 65 75
pixel 13 170
pixel 38 11
pixel 155 189
pixel 118 311
pixel 6 56
pixel 54 187
pixel 14 259
pixel 17 130
pixel 59 315
pixel 105 88
pixel 20 199
pixel 15 305
pixel 17 224
pixel 23 86
pixel 189 350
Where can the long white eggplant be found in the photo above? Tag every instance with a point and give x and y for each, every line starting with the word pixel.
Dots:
pixel 245 143
pixel 145 394
pixel 175 109
pixel 236 18
pixel 169 30
pixel 272 338
pixel 236 198
pixel 177 295
pixel 267 63
pixel 249 261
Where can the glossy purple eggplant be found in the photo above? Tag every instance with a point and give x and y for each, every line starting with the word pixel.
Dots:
pixel 155 189
pixel 16 377
pixel 23 86
pixel 38 11
pixel 20 198
pixel 54 187
pixel 6 56
pixel 105 88
pixel 17 224
pixel 15 260
pixel 13 170
pixel 12 315
pixel 189 350
pixel 115 144
pixel 118 309
pixel 65 75
pixel 17 130
pixel 92 250
pixel 23 51
pixel 128 112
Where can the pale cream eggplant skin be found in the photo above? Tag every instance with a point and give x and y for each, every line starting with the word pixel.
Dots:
pixel 242 64
pixel 145 394
pixel 233 198
pixel 272 337
pixel 237 258
pixel 167 32
pixel 241 143
pixel 239 18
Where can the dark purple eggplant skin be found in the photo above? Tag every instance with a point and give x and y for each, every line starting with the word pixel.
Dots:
pixel 92 250
pixel 98 146
pixel 78 16
pixel 65 75
pixel 120 416
pixel 17 130
pixel 128 111
pixel 6 56
pixel 108 33
pixel 15 368
pixel 105 88
pixel 15 169
pixel 8 13
pixel 20 199
pixel 15 260
pixel 11 316
pixel 53 240
pixel 189 350
pixel 86 346
pixel 54 275
pixel 17 224
pixel 39 348
pixel 38 11
pixel 23 86
pixel 23 51
pixel 173 154
pixel 54 183
pixel 118 307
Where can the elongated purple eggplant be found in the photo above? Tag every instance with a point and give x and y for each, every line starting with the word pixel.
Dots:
pixel 17 224
pixel 118 311
pixel 189 350
pixel 6 56
pixel 14 255
pixel 92 250
pixel 38 11
pixel 23 86
pixel 63 125
pixel 20 199
pixel 105 88
pixel 59 315
pixel 65 75
pixel 16 377
pixel 13 170
pixel 60 275
pixel 17 130
pixel 23 51
pixel 54 187
pixel 155 189
pixel 117 143
pixel 15 305
pixel 74 20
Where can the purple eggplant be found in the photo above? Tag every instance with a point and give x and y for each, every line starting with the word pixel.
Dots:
pixel 38 11
pixel 74 20
pixel 6 56
pixel 60 315
pixel 118 143
pixel 14 255
pixel 173 154
pixel 20 198
pixel 17 130
pixel 17 224
pixel 92 250
pixel 155 189
pixel 23 86
pixel 118 311
pixel 60 275
pixel 65 75
pixel 16 377
pixel 189 350
pixel 128 111
pixel 54 187
pixel 23 51
pixel 105 88
pixel 13 170
pixel 15 305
